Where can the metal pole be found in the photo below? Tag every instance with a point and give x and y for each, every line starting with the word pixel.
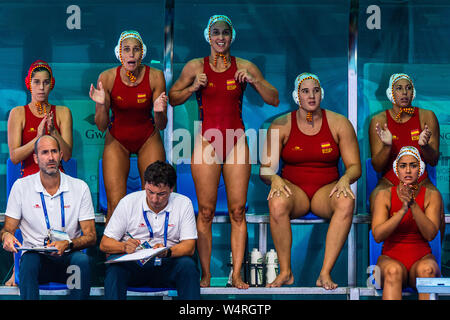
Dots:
pixel 168 73
pixel 353 117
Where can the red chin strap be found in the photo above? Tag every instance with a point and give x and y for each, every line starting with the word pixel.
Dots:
pixel 35 65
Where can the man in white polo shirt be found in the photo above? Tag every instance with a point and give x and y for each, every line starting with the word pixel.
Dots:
pixel 163 218
pixel 55 210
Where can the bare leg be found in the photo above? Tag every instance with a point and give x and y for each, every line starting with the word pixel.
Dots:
pixel 206 178
pixel 236 177
pixel 282 210
pixel 116 166
pixel 426 267
pixel 12 281
pixel 393 277
pixel 151 151
pixel 340 210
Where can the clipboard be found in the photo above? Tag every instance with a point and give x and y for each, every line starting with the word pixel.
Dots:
pixel 136 256
pixel 39 249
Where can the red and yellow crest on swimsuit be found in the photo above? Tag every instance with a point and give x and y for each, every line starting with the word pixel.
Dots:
pixel 141 97
pixel 231 84
pixel 415 134
pixel 326 147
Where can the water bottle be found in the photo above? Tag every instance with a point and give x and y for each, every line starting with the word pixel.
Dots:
pixel 256 268
pixel 230 276
pixel 271 266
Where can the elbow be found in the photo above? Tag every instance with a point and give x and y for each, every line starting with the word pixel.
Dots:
pixel 102 246
pixel 67 155
pixel 161 125
pixel 377 238
pixel 275 101
pixel 14 159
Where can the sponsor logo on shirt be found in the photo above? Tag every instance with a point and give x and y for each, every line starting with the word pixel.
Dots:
pixel 326 147
pixel 66 206
pixel 119 98
pixel 37 206
pixel 297 148
pixel 171 225
pixel 231 84
pixel 142 225
pixel 210 84
pixel 415 134
pixel 31 130
pixel 141 97
pixel 394 137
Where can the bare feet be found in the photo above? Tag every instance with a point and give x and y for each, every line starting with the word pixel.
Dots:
pixel 238 283
pixel 205 281
pixel 326 282
pixel 12 281
pixel 281 280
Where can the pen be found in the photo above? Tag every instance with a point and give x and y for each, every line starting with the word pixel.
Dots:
pixel 130 235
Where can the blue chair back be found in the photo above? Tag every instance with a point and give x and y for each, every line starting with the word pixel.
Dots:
pixel 133 182
pixel 13 172
pixel 186 186
pixel 372 178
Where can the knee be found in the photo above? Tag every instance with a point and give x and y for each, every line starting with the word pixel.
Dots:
pixel 279 208
pixel 187 266
pixel 237 214
pixel 80 259
pixel 393 273
pixel 426 270
pixel 206 214
pixel 344 206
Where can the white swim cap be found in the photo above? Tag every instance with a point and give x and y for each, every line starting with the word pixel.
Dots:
pixel 409 150
pixel 126 35
pixel 298 81
pixel 393 79
pixel 214 19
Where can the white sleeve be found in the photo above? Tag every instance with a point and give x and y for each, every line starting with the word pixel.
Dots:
pixel 86 206
pixel 188 224
pixel 117 225
pixel 14 205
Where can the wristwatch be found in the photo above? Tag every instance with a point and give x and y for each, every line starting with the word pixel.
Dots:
pixel 70 244
pixel 169 253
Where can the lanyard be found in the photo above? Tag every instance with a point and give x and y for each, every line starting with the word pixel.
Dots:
pixel 44 207
pixel 150 230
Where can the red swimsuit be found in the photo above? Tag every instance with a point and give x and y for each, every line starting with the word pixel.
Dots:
pixel 406 244
pixel 132 121
pixel 310 162
pixel 220 107
pixel 29 132
pixel 403 134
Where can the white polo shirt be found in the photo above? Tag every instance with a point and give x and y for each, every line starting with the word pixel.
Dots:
pixel 25 204
pixel 129 217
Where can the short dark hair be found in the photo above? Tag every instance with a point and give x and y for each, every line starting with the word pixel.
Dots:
pixel 39 139
pixel 160 172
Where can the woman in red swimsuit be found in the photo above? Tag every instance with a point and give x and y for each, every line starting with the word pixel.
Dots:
pixel 402 125
pixel 310 148
pixel 130 91
pixel 28 123
pixel 406 217
pixel 219 81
